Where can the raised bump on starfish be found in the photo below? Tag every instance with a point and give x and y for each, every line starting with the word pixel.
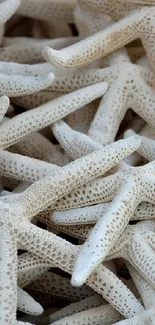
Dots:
pixel 105 42
pixel 48 113
pixel 101 239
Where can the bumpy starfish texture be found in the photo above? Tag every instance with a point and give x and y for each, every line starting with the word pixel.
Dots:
pixel 48 113
pixel 129 195
pixel 17 228
pixel 105 42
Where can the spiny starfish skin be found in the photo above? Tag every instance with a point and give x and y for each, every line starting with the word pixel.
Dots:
pixel 105 42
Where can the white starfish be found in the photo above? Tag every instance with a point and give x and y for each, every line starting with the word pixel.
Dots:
pixel 105 42
pixel 16 228
pixel 108 229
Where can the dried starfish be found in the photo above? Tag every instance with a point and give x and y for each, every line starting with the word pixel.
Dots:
pixel 47 114
pixel 29 50
pixel 58 9
pixel 108 229
pixel 105 42
pixel 18 229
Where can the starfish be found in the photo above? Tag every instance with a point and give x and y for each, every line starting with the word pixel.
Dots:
pixel 57 285
pixel 16 228
pixel 27 50
pixel 129 195
pixel 7 9
pixel 131 88
pixel 57 9
pixel 47 114
pixel 105 42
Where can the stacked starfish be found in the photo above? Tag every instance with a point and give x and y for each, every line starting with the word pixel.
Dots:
pixel 77 162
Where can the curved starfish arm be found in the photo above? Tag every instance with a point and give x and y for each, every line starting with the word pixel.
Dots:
pixel 100 315
pixel 147 147
pixel 30 51
pixel 76 144
pixel 107 231
pixel 146 291
pixel 59 9
pixel 142 257
pixel 7 9
pixel 48 113
pixel 110 113
pixel 4 105
pixel 76 307
pixel 74 175
pixel 99 45
pixel 61 253
pixel 24 168
pixel 21 85
pixel 57 285
pixel 8 276
pixel 27 304
pixel 147 316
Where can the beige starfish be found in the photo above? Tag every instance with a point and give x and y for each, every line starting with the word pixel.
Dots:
pixel 105 42
pixel 27 50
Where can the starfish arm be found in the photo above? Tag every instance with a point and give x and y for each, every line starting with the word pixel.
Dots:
pixel 19 85
pixel 80 216
pixel 4 105
pixel 59 9
pixel 30 51
pixel 110 113
pixel 7 9
pixel 147 147
pixel 76 144
pixel 142 2
pixel 27 304
pixel 147 316
pixel 96 46
pixel 76 307
pixel 116 10
pixel 146 291
pixel 57 285
pixel 48 113
pixel 74 175
pixel 91 214
pixel 24 168
pixel 100 315
pixel 101 239
pixel 61 253
pixel 36 99
pixel 142 257
pixel 8 276
pixel 99 190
